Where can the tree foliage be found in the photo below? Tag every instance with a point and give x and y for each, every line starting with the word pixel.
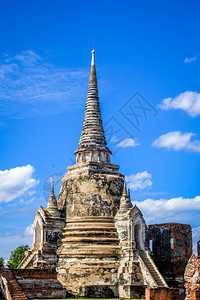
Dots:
pixel 1 262
pixel 17 256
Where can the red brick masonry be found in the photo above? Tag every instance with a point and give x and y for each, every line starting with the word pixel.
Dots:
pixel 32 283
pixel 195 295
pixel 172 248
pixel 12 288
pixel 192 278
pixel 161 294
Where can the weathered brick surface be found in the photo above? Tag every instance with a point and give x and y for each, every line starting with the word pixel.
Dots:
pixel 33 283
pixel 195 295
pixel 171 248
pixel 192 278
pixel 37 283
pixel 161 294
pixel 36 273
pixel 13 289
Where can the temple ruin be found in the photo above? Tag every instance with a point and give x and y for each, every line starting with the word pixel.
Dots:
pixel 93 236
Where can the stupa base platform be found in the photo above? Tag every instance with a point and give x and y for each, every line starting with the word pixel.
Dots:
pixel 89 278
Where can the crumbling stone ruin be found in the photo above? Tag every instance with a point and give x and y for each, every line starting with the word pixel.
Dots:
pixel 95 239
pixel 171 250
pixel 47 228
pixel 23 284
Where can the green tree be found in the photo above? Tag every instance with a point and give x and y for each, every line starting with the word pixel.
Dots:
pixel 1 262
pixel 17 256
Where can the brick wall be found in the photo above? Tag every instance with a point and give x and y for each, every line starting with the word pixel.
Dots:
pixel 192 278
pixel 36 273
pixel 161 294
pixel 195 295
pixel 9 286
pixel 171 249
pixel 37 283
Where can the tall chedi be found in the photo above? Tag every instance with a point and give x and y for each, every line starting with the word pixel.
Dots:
pixel 90 193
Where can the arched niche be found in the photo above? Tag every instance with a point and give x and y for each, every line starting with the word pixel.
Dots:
pixel 138 231
pixel 38 235
pixel 138 237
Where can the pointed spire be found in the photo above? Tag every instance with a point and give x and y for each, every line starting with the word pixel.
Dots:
pixel 52 189
pixel 125 202
pixel 52 203
pixel 92 136
pixel 124 190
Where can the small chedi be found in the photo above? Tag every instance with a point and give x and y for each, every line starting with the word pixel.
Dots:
pixel 95 239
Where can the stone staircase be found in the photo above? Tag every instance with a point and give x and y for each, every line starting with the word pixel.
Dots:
pixel 29 256
pixel 15 291
pixel 147 260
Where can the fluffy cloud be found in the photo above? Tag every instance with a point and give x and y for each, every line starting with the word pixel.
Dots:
pixel 139 181
pixel 28 230
pixel 178 209
pixel 16 182
pixel 177 140
pixel 27 57
pixel 31 81
pixel 188 101
pixel 164 210
pixel 129 142
pixel 189 60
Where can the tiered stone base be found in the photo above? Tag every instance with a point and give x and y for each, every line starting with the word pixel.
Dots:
pixel 88 256
pixel 89 238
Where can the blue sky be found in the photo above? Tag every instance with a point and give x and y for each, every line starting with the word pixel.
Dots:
pixel 148 54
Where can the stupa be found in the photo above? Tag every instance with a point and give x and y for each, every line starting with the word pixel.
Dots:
pixel 93 236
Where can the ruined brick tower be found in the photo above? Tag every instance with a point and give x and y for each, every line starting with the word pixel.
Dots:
pixel 91 192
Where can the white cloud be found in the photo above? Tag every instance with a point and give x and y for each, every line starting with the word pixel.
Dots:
pixel 178 209
pixel 188 101
pixel 177 140
pixel 12 242
pixel 114 139
pixel 129 142
pixel 28 230
pixel 163 210
pixel 189 60
pixel 16 182
pixel 27 57
pixel 31 82
pixel 139 181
